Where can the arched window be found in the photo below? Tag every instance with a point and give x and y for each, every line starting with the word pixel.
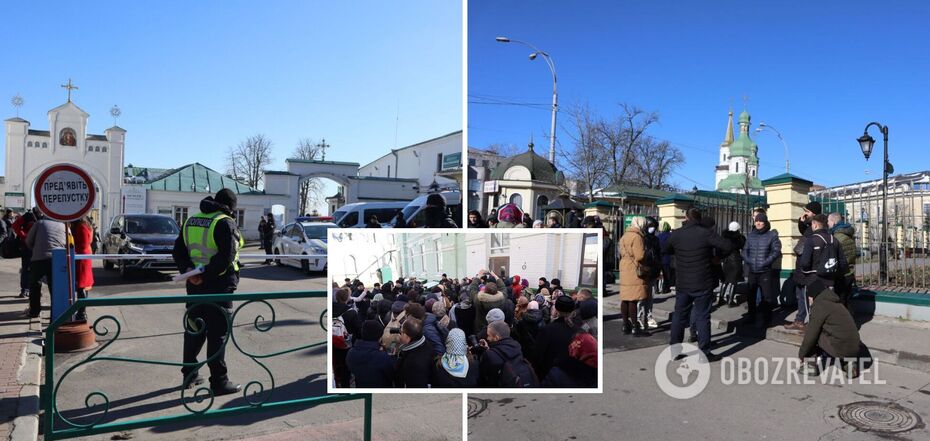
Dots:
pixel 90 148
pixel 44 145
pixel 104 149
pixel 97 148
pixel 541 202
pixel 29 144
pixel 517 200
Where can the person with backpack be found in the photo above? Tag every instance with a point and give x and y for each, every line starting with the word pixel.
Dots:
pixel 456 367
pixel 368 364
pixel 553 339
pixel 415 359
pixel 761 250
pixel 579 370
pixel 501 362
pixel 845 234
pixel 732 265
pixel 821 260
pixel 344 327
pixel 634 275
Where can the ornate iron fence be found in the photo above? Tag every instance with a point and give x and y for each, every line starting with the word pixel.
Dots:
pixel 199 404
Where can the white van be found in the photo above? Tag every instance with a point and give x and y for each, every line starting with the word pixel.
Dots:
pixel 414 210
pixel 357 214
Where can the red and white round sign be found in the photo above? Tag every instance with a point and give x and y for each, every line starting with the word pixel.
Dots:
pixel 64 192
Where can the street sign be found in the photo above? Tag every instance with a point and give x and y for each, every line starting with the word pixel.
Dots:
pixel 64 192
pixel 490 186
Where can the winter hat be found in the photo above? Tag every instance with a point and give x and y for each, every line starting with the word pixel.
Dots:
pixel 525 283
pixel 397 307
pixel 638 222
pixel 533 305
pixel 761 217
pixel 372 330
pixel 429 304
pixel 564 304
pixel 584 348
pixel 510 213
pixel 495 315
pixel 436 200
pixel 227 198
pixel 814 207
pixel 816 287
pixel 438 309
pixel 734 226
pixel 537 223
pixel 540 299
pixel 378 297
pixel 464 301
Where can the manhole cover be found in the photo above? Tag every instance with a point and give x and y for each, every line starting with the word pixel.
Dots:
pixel 875 416
pixel 476 406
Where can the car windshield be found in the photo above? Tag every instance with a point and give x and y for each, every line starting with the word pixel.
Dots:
pixel 409 210
pixel 317 231
pixel 337 216
pixel 151 225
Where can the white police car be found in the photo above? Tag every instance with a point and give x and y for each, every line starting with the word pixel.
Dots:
pixel 306 236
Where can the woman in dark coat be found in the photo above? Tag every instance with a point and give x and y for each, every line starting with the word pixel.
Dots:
pixel 732 265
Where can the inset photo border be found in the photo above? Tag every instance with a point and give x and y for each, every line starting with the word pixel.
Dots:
pixel 387 275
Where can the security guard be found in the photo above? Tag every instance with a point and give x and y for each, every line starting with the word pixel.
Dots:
pixel 210 240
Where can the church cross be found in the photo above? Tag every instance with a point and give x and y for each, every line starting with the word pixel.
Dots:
pixel 70 87
pixel 323 146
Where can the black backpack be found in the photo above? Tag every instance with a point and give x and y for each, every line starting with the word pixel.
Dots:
pixel 517 374
pixel 827 262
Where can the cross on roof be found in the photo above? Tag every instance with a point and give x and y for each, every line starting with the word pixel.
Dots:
pixel 323 146
pixel 70 87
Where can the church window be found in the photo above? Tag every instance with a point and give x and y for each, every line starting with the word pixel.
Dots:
pixel 104 149
pixel 44 145
pixel 240 218
pixel 90 148
pixel 29 144
pixel 97 148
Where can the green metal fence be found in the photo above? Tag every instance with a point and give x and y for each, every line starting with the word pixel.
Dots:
pixel 57 426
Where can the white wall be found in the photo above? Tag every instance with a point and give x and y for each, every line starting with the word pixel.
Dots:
pixel 158 201
pixel 418 161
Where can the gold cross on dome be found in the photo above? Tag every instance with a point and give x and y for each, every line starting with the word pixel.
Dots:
pixel 70 87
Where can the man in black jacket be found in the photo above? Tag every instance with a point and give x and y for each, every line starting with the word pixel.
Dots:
pixel 760 252
pixel 499 348
pixel 415 361
pixel 209 240
pixel 693 247
pixel 370 366
pixel 552 340
pixel 819 241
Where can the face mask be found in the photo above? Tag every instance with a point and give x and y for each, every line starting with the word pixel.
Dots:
pixel 651 230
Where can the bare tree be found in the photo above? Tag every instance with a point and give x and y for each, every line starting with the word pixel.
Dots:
pixel 310 191
pixel 248 160
pixel 621 136
pixel 588 160
pixel 655 162
pixel 505 150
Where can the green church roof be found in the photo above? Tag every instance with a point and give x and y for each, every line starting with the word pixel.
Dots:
pixel 198 178
pixel 735 182
pixel 540 168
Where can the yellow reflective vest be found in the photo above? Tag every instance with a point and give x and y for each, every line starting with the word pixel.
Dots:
pixel 198 237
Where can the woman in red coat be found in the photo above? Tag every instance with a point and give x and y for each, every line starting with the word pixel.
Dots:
pixel 84 276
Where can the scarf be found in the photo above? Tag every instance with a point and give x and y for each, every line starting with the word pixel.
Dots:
pixel 454 361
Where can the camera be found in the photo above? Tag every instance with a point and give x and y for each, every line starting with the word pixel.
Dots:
pixel 394 330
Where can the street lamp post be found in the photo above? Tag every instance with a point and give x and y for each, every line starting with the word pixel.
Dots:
pixel 555 88
pixel 866 142
pixel 778 134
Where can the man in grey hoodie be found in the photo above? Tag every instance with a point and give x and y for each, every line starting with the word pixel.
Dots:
pixel 45 236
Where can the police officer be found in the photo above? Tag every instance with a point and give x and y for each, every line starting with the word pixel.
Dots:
pixel 211 240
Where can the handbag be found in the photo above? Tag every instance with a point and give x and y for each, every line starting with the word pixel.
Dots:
pixel 11 248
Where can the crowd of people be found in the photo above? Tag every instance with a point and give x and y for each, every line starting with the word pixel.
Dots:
pixel 487 331
pixel 511 216
pixel 706 267
pixel 31 237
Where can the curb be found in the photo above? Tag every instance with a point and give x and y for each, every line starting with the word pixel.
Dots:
pixel 26 424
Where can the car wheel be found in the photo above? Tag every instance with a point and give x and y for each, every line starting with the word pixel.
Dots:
pixel 277 261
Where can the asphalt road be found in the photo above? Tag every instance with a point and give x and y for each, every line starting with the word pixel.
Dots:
pixel 633 407
pixel 153 332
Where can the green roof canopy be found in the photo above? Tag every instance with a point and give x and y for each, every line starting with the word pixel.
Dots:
pixel 198 178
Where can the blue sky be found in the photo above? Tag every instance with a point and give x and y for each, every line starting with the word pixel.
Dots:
pixel 817 71
pixel 193 78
